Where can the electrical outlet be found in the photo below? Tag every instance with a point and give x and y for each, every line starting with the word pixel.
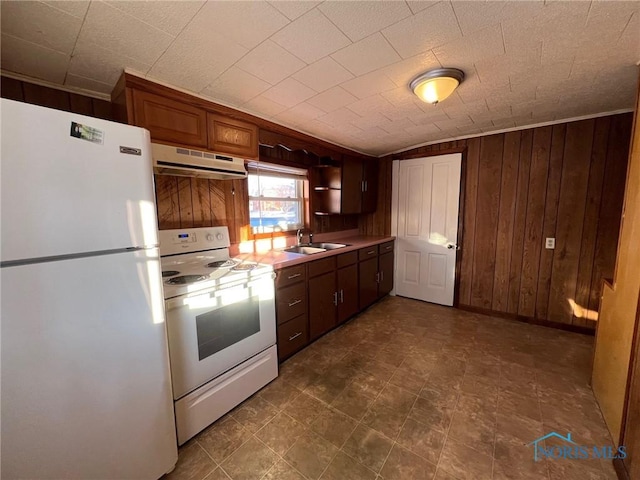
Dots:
pixel 550 243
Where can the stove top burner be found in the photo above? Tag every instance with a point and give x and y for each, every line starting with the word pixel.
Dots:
pixel 222 264
pixel 186 279
pixel 169 273
pixel 244 266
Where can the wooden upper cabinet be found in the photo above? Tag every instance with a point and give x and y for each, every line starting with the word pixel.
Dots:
pixel 170 121
pixel 370 184
pixel 235 137
pixel 352 185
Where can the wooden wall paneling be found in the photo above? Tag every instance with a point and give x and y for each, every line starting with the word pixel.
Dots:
pixel 185 203
pixel 590 221
pixel 573 193
pixel 201 201
pixel 241 209
pixel 230 210
pixel 508 192
pixel 550 218
pixel 540 152
pixel 487 208
pixel 469 214
pixel 611 204
pixel 46 97
pixel 11 89
pixel 517 244
pixel 219 208
pixel 167 202
pixel 102 109
pixel 80 104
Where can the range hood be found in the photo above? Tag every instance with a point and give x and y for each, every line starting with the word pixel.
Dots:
pixel 168 160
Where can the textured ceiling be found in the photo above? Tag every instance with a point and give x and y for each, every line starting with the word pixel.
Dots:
pixel 340 70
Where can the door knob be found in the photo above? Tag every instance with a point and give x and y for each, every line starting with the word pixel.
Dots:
pixel 452 246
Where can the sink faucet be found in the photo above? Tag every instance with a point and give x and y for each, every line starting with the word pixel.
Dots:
pixel 299 235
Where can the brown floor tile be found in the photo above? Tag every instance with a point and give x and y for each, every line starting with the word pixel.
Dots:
pixel 515 460
pixel 279 392
pixel 254 413
pixel 352 402
pixel 299 376
pixel 464 462
pixel 193 464
pixel 327 387
pixel 397 399
pixel 402 465
pixel 433 415
pixel 572 469
pixel 523 428
pixel 222 438
pixel 367 384
pixel 344 467
pixel 470 403
pixel 311 454
pixel 217 474
pixel 334 426
pixel 304 408
pixel 528 406
pixel 422 440
pixel 251 461
pixel 383 419
pixel 407 380
pixel 442 475
pixel 380 370
pixel 283 471
pixel 474 429
pixel 479 387
pixel 368 447
pixel 280 433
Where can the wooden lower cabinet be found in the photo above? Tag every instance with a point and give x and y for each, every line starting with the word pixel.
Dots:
pixel 292 336
pixel 385 266
pixel 314 297
pixel 368 288
pixel 347 279
pixel 323 302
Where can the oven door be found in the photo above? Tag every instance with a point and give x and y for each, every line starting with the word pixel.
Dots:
pixel 214 330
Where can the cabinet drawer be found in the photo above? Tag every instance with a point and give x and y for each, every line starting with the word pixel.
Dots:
pixel 369 252
pixel 292 336
pixel 347 259
pixel 291 275
pixel 291 302
pixel 386 247
pixel 322 266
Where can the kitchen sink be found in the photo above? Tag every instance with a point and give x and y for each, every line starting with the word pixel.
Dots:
pixel 311 248
pixel 305 250
pixel 328 246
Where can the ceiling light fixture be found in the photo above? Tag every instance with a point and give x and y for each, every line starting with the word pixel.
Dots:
pixel 436 85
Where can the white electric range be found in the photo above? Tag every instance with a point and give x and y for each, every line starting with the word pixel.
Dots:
pixel 221 325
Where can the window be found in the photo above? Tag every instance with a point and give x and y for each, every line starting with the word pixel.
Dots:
pixel 276 197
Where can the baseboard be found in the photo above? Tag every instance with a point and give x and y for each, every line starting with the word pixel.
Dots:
pixel 531 320
pixel 621 470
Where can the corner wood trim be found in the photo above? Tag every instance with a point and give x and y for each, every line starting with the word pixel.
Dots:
pixel 530 320
pixel 620 469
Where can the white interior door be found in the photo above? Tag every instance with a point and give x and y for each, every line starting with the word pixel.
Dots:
pixel 426 200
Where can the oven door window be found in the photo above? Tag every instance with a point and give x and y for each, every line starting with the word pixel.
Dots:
pixel 227 325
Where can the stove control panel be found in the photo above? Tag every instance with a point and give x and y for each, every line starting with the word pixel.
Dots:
pixel 192 240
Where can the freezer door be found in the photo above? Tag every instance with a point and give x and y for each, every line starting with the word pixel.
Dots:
pixel 86 389
pixel 66 195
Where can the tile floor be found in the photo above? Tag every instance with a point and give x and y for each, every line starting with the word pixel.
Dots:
pixel 410 390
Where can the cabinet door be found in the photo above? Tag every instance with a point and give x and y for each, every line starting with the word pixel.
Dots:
pixel 370 193
pixel 368 283
pixel 352 185
pixel 347 292
pixel 169 120
pixel 322 304
pixel 235 137
pixel 385 266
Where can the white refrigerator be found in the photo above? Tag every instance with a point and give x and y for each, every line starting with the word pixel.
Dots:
pixel 85 383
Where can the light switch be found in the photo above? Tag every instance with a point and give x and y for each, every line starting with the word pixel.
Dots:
pixel 550 244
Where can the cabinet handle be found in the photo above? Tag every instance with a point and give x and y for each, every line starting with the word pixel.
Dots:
pixel 341 296
pixel 388 247
pixel 294 336
pixel 371 252
pixel 362 185
pixel 366 186
pixel 335 298
pixel 294 276
pixel 378 277
pixel 295 302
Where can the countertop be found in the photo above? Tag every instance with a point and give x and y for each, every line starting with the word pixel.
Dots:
pixel 280 259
